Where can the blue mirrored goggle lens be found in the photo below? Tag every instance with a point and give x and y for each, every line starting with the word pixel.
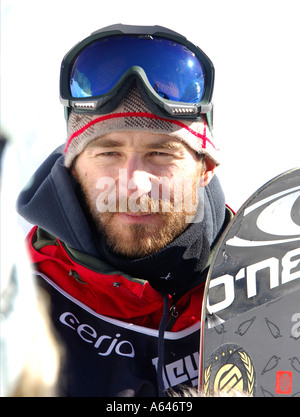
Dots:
pixel 173 71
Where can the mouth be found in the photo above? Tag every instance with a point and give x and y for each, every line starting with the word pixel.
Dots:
pixel 134 218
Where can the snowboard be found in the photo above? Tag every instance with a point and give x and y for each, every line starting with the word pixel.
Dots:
pixel 250 330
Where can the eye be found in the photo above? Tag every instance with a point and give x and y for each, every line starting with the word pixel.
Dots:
pixel 160 154
pixel 108 154
pixel 158 157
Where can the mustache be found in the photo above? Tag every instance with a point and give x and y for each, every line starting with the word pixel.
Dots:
pixel 143 204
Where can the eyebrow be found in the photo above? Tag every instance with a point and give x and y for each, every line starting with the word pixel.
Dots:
pixel 172 145
pixel 105 143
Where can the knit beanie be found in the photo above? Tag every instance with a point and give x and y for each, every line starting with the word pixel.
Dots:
pixel 133 114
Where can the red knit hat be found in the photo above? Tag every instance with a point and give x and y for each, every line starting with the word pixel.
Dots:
pixel 132 114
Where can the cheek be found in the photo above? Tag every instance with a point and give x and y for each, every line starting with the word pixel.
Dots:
pixel 188 171
pixel 186 181
pixel 84 179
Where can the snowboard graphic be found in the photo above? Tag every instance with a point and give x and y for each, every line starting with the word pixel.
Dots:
pixel 250 330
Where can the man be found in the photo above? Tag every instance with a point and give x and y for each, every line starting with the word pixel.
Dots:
pixel 128 213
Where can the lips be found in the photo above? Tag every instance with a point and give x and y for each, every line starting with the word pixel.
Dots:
pixel 137 214
pixel 131 218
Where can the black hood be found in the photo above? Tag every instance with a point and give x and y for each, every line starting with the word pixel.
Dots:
pixel 50 202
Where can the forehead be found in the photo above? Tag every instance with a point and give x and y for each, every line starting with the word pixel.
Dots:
pixel 137 140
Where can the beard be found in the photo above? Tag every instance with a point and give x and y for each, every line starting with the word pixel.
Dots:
pixel 137 240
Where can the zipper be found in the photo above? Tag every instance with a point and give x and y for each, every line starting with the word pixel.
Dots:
pixel 173 317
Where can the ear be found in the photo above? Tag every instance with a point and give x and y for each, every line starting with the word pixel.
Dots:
pixel 208 173
pixel 74 173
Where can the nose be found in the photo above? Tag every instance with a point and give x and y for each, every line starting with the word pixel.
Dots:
pixel 140 181
pixel 134 178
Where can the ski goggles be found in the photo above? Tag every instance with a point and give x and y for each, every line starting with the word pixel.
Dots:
pixel 177 76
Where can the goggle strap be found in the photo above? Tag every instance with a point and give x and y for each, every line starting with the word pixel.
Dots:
pixel 209 118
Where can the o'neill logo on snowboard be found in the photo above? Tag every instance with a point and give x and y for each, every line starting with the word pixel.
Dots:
pixel 278 222
pixel 265 227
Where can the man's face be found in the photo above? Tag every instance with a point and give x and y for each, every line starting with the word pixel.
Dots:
pixel 140 188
